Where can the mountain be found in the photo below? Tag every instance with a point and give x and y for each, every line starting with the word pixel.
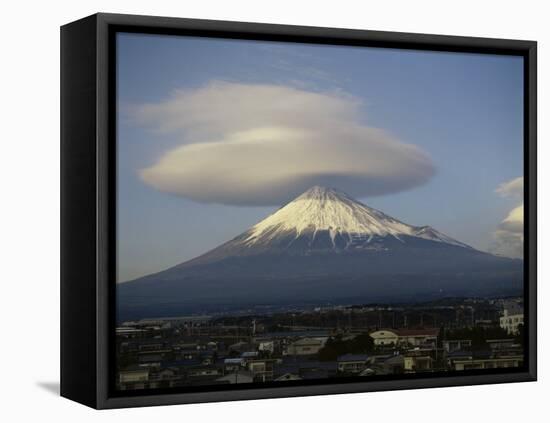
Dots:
pixel 322 246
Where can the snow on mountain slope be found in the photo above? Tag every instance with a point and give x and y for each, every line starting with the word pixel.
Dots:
pixel 322 246
pixel 326 209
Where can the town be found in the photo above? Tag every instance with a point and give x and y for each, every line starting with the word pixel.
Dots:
pixel 320 342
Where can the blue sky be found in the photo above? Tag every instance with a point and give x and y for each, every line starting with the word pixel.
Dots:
pixel 464 111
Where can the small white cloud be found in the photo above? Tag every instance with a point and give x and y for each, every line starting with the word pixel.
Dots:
pixel 509 235
pixel 513 188
pixel 514 221
pixel 255 144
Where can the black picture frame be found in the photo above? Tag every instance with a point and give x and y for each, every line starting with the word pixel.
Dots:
pixel 88 203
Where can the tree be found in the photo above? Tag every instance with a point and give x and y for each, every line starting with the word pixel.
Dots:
pixel 336 346
pixel 362 343
pixel 520 336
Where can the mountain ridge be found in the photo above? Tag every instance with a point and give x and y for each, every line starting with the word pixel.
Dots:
pixel 329 209
pixel 325 245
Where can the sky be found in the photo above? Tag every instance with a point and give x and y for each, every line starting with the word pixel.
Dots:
pixel 214 135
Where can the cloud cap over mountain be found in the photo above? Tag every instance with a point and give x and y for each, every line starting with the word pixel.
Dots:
pixel 259 144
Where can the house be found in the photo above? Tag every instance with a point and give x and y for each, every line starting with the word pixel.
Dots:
pixel 504 347
pixel 352 363
pixel 511 319
pixel 458 355
pixel 315 374
pixel 135 378
pixel 268 346
pixel 212 346
pixel 417 360
pixel 418 337
pixel 305 346
pixel 452 345
pixel 129 332
pixel 238 377
pixel 411 337
pixel 304 368
pixel 261 369
pixel 187 346
pixel 501 344
pixel 485 323
pixel 287 376
pixel 206 358
pixel 203 371
pixel 395 364
pixel 371 371
pixel 153 356
pixel 488 363
pixel 189 354
pixel 185 363
pixel 231 365
pixel 384 365
pixel 150 346
pixel 166 378
pixel 385 337
pixel 241 347
pixel 314 369
pixel 249 355
pixel 167 374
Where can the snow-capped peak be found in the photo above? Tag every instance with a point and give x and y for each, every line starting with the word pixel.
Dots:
pixel 328 209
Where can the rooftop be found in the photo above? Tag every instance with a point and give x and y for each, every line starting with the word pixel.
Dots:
pixel 353 357
pixel 417 332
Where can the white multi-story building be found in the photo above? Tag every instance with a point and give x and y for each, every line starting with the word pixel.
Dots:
pixel 510 320
pixel 414 337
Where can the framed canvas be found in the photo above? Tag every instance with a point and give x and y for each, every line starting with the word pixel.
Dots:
pixel 258 211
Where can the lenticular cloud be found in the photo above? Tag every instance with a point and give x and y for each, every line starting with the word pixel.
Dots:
pixel 253 144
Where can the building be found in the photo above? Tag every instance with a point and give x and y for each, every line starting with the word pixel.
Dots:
pixel 504 347
pixel 233 364
pixel 501 344
pixel 130 332
pixel 212 346
pixel 485 323
pixel 384 365
pixel 247 355
pixel 203 372
pixel 237 377
pixel 385 337
pixel 453 345
pixel 135 375
pixel 458 355
pixel 394 364
pixel 261 369
pixel 153 356
pixel 287 376
pixel 352 363
pixel 305 346
pixel 305 368
pixel 405 337
pixel 511 319
pixel 418 337
pixel 189 354
pixel 418 360
pixel 241 347
pixel 267 346
pixel 136 378
pixel 488 363
pixel 166 378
